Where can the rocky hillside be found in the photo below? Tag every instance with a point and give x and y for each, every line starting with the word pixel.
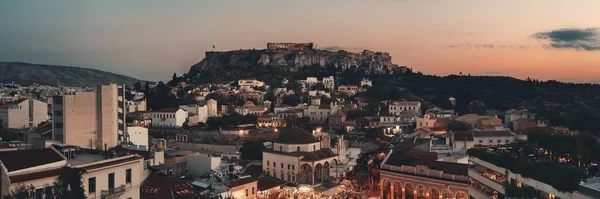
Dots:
pixel 231 65
pixel 26 74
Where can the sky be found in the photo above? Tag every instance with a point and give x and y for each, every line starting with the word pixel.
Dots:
pixel 151 39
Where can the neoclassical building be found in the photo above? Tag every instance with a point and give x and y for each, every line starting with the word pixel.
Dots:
pixel 299 157
pixel 408 172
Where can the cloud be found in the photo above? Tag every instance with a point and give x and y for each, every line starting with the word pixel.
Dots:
pixel 570 38
pixel 487 46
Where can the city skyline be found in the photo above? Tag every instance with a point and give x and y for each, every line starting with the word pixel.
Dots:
pixel 152 39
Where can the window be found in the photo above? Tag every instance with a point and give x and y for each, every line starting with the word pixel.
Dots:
pixel 267 163
pixel 314 147
pixel 298 149
pixel 293 167
pixel 128 176
pixel 288 166
pixel 111 181
pixel 268 173
pixel 246 192
pixel 92 185
pixel 252 190
pixel 282 177
pixel 282 165
pixel 58 125
pixel 274 164
pixel 58 113
pixel 280 148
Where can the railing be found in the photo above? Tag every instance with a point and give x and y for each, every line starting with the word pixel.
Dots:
pixel 115 191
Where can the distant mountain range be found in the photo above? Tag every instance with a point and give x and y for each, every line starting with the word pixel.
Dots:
pixel 27 74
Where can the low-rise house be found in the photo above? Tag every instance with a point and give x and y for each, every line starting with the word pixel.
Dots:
pixel 176 160
pixel 250 109
pixel 140 118
pixel 336 121
pixel 169 117
pixel 318 114
pixel 297 113
pixel 366 83
pixel 480 121
pixel 348 89
pixel 201 111
pixel 23 113
pixel 523 123
pixel 513 115
pixel 397 107
pixel 269 120
pixel 329 82
pixel 244 188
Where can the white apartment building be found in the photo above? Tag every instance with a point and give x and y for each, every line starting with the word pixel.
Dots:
pixel 103 177
pixel 169 117
pixel 398 107
pixel 250 83
pixel 91 120
pixel 138 135
pixel 200 110
pixel 329 82
pixel 24 113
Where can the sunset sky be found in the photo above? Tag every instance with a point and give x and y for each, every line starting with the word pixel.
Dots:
pixel 147 39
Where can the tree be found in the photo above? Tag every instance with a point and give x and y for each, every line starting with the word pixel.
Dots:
pixel 69 184
pixel 137 86
pixel 252 150
pixel 291 100
pixel 294 85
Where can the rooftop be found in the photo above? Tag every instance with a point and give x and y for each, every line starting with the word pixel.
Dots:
pixel 267 183
pixel 295 136
pixel 241 181
pixel 22 159
pixel 160 186
pixel 168 110
pixel 407 154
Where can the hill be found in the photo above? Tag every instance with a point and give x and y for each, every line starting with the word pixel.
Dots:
pixel 576 106
pixel 274 65
pixel 26 74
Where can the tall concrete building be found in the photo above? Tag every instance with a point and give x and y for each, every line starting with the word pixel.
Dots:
pixel 92 120
pixel 23 113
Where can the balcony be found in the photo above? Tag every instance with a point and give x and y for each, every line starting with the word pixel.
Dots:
pixel 113 192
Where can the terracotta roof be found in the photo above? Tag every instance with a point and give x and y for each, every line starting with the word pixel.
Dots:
pixel 22 159
pixel 168 110
pixel 241 181
pixel 295 136
pixel 267 183
pixel 36 175
pixel 160 186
